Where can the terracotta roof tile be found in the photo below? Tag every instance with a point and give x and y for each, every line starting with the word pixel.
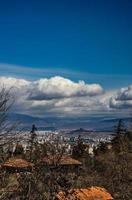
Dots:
pixel 93 193
pixel 17 163
pixel 64 160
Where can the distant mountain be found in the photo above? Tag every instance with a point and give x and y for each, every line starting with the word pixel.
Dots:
pixel 53 123
pixel 78 131
pixel 25 122
pixel 22 118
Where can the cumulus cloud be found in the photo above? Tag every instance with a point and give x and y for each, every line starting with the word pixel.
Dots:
pixel 18 91
pixel 53 88
pixel 56 94
pixel 59 87
pixel 61 96
pixel 123 99
pixel 10 82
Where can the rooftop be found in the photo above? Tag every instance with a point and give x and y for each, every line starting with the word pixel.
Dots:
pixel 64 160
pixel 17 163
pixel 93 193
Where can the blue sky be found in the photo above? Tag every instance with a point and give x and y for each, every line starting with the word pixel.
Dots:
pixel 88 40
pixel 85 35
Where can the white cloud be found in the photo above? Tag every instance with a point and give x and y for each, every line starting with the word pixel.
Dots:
pixel 61 96
pixel 18 90
pixel 9 82
pixel 123 99
pixel 59 87
pixel 56 94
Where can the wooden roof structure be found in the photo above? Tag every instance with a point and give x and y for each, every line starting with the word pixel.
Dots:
pixel 17 164
pixel 61 161
pixel 93 193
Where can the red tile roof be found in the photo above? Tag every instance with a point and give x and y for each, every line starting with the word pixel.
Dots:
pixel 17 163
pixel 93 193
pixel 64 160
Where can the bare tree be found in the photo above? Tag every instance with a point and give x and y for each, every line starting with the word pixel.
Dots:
pixel 7 133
